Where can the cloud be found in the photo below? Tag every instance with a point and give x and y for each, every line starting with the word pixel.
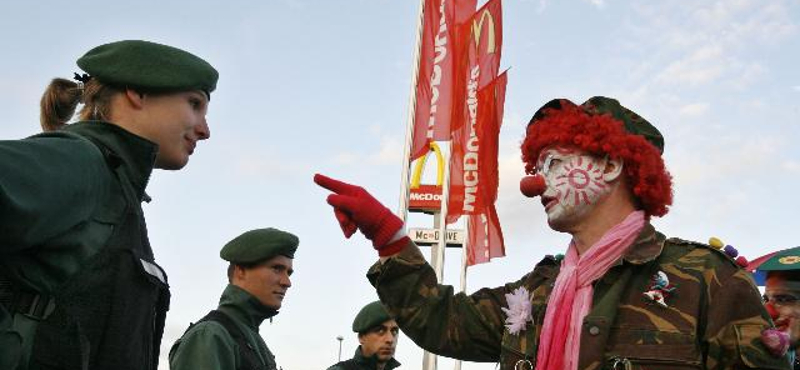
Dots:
pixel 345 158
pixel 711 43
pixel 390 152
pixel 700 67
pixel 693 110
pixel 598 3
pixel 743 76
pixel 791 166
pixel 728 158
pixel 796 88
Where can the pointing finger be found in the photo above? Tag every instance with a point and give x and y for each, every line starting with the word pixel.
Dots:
pixel 333 185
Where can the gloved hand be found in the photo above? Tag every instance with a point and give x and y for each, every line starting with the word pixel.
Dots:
pixel 355 209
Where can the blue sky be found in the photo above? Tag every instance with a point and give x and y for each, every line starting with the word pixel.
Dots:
pixel 322 86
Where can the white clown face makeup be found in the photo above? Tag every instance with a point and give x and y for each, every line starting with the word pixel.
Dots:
pixel 575 182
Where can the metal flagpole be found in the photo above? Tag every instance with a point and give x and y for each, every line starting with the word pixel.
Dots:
pixel 412 109
pixel 429 360
pixel 438 249
pixel 464 256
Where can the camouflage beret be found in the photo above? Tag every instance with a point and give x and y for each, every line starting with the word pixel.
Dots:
pixel 149 66
pixel 259 245
pixel 370 316
pixel 598 105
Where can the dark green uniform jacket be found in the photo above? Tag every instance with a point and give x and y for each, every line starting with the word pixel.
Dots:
pixel 713 317
pixel 208 346
pixel 75 262
pixel 359 362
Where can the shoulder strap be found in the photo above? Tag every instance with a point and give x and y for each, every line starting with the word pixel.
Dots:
pixel 247 353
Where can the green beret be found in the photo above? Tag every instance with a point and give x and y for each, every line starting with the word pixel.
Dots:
pixel 599 105
pixel 370 316
pixel 259 245
pixel 149 66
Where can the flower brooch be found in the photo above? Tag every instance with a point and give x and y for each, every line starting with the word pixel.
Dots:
pixel 518 313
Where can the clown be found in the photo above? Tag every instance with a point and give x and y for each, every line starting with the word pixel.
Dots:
pixel 779 272
pixel 598 172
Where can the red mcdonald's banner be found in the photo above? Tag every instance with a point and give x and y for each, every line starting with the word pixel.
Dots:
pixel 473 158
pixel 435 89
pixel 485 29
pixel 474 174
pixel 485 238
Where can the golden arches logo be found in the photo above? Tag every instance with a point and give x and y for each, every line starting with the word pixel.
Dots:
pixel 416 178
pixel 427 198
pixel 477 27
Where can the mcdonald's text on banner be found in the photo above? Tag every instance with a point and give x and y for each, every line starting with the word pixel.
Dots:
pixel 454 238
pixel 471 156
pixel 440 52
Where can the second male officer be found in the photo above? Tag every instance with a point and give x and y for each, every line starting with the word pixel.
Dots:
pixel 227 338
pixel 377 334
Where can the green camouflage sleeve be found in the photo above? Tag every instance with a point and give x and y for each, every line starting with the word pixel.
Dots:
pixel 466 327
pixel 734 323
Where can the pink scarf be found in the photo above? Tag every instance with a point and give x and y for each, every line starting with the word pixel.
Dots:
pixel 560 340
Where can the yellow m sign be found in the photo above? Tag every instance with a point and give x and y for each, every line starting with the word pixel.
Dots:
pixel 477 26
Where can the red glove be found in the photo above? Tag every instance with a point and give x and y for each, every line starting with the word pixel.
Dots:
pixel 355 209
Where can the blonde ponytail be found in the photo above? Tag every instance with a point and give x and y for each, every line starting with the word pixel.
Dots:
pixel 61 98
pixel 58 104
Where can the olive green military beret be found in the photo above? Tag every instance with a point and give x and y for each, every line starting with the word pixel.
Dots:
pixel 370 316
pixel 258 245
pixel 598 105
pixel 149 66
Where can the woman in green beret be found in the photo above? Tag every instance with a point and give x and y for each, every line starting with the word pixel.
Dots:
pixel 79 285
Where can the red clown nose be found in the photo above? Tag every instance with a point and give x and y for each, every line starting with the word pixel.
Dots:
pixel 532 186
pixel 773 313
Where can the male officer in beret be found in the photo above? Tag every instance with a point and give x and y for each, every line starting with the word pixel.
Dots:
pixel 624 296
pixel 377 334
pixel 227 338
pixel 79 284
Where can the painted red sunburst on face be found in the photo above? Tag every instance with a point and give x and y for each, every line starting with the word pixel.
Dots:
pixel 581 181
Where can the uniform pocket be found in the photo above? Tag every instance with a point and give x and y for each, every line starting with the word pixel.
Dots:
pixel 519 347
pixel 633 349
pixel 645 363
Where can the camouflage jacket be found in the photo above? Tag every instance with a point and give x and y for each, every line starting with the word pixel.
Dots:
pixel 713 318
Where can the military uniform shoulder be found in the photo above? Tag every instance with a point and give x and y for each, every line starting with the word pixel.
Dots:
pixel 716 251
pixel 550 260
pixel 200 338
pixel 206 330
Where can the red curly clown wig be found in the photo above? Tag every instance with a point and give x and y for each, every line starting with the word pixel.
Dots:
pixel 601 126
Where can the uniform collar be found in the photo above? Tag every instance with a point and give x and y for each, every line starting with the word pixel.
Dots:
pixel 647 246
pixel 372 361
pixel 244 307
pixel 136 154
